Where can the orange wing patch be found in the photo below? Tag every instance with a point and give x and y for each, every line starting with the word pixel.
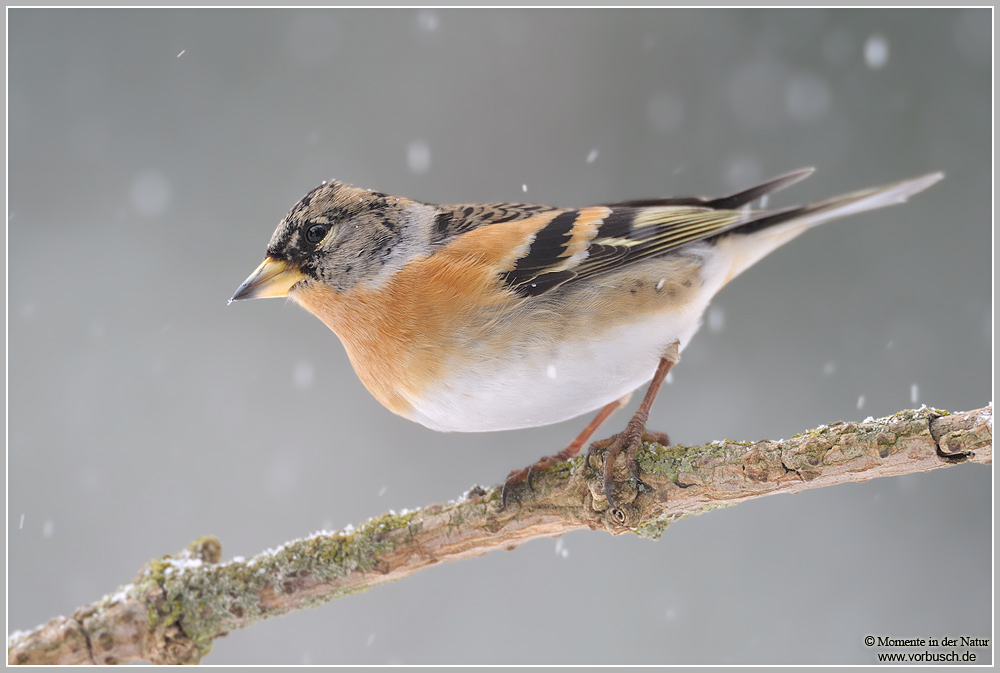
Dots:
pixel 588 221
pixel 499 246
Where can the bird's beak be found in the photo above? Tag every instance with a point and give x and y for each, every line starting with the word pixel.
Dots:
pixel 273 278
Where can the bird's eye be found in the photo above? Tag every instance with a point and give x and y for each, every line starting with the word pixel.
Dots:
pixel 315 233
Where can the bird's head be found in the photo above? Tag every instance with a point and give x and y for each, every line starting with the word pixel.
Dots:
pixel 337 235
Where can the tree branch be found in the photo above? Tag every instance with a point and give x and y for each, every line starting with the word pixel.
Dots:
pixel 178 605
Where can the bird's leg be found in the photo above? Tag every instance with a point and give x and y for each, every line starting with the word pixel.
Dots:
pixel 574 447
pixel 517 476
pixel 631 437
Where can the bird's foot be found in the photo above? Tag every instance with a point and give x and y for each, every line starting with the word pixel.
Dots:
pixel 629 441
pixel 518 477
pixel 527 474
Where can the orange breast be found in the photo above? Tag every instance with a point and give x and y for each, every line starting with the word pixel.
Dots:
pixel 401 336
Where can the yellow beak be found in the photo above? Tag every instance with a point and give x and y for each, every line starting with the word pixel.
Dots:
pixel 273 278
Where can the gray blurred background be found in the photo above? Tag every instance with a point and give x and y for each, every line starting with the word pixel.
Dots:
pixel 152 152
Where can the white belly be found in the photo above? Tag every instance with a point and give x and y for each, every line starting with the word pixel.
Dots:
pixel 552 384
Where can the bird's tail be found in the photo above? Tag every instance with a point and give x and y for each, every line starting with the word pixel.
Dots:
pixel 765 231
pixel 841 206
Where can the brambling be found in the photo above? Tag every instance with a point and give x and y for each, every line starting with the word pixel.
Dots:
pixel 479 317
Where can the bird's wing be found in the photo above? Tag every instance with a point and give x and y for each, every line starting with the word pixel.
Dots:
pixel 535 249
pixel 580 243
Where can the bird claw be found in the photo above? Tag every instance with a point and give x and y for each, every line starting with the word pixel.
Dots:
pixel 532 470
pixel 635 472
pixel 526 475
pixel 512 480
pixel 629 441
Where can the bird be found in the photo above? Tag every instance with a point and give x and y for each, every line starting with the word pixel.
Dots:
pixel 499 316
